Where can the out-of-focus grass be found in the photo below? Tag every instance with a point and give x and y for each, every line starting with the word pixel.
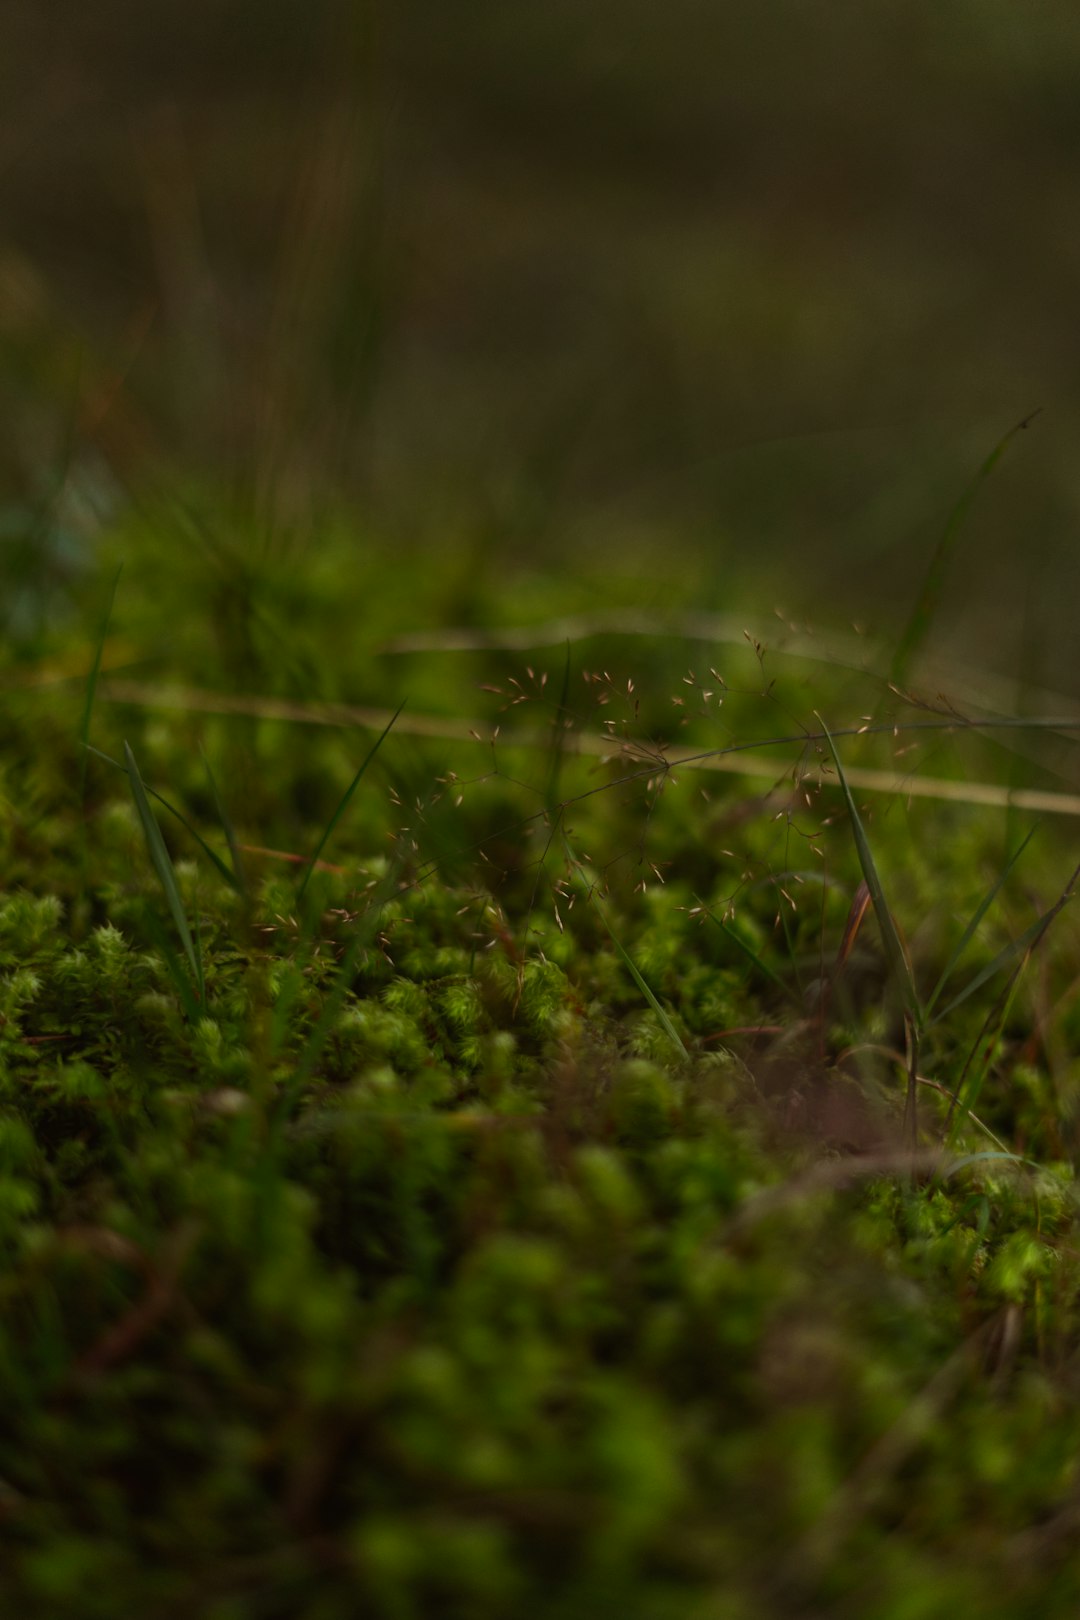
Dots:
pixel 763 281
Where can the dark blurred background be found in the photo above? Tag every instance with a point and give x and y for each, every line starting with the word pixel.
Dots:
pixel 743 291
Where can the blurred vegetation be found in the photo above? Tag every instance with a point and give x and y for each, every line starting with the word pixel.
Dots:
pixel 763 282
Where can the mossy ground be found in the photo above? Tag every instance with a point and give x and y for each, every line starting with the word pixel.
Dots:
pixel 522 1223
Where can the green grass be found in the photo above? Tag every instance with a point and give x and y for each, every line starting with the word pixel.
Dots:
pixel 518 1212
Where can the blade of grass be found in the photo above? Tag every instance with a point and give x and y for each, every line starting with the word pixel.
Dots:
pixel 347 796
pixel 1027 941
pixel 913 1043
pixel 856 913
pixel 635 973
pixel 163 866
pixel 749 952
pixel 227 827
pixel 968 1096
pixel 980 1158
pixel 979 1124
pixel 91 685
pixel 899 965
pixel 192 1009
pixel 558 739
pixel 627 960
pixel 152 793
pixel 976 918
pixel 922 615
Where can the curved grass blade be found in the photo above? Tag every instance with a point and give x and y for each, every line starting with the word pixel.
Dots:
pixel 163 866
pixel 922 615
pixel 227 827
pixel 152 793
pixel 980 1158
pixel 346 797
pixel 976 918
pixel 188 999
pixel 1019 947
pixel 968 1095
pixel 631 966
pixel 899 966
pixel 748 951
pixel 635 973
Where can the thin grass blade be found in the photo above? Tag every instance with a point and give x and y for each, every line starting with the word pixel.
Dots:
pixel 981 1158
pixel 635 973
pixel 961 1110
pixel 752 956
pixel 1018 947
pixel 193 1011
pixel 346 798
pixel 551 789
pixel 976 918
pixel 922 615
pixel 163 866
pixel 152 793
pixel 229 830
pixel 91 684
pixel 899 966
pixel 631 966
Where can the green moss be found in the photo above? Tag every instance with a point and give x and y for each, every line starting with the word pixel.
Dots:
pixel 412 1273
